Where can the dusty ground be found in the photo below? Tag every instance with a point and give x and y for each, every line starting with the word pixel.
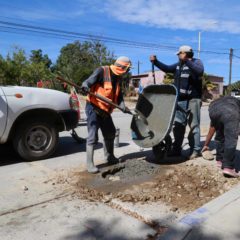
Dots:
pixel 182 187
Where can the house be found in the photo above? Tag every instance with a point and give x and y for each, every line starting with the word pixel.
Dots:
pixel 218 82
pixel 142 80
pixel 145 79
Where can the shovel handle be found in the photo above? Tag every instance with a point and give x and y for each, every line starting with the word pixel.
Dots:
pixel 68 82
pixel 106 100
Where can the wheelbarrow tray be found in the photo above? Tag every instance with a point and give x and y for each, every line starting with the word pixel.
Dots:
pixel 157 105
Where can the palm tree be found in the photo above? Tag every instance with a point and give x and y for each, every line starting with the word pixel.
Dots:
pixel 234 86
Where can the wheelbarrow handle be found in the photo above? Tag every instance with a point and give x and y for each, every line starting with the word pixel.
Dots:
pixel 153 73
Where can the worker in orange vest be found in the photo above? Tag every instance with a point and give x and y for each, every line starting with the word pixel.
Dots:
pixel 104 81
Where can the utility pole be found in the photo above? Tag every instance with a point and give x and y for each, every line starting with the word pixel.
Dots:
pixel 138 67
pixel 230 67
pixel 199 43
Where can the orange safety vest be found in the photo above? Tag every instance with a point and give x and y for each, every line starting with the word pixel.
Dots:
pixel 105 90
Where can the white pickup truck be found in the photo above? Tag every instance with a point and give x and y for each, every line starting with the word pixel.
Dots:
pixel 31 118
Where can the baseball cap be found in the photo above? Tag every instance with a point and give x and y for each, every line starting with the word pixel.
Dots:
pixel 184 49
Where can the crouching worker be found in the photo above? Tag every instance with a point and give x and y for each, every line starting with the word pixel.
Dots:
pixel 224 114
pixel 104 81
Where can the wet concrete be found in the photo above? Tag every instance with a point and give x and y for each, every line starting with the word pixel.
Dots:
pixel 182 187
pixel 123 176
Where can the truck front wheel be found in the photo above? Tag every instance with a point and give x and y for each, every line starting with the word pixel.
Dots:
pixel 35 139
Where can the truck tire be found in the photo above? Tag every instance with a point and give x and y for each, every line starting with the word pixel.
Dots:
pixel 35 139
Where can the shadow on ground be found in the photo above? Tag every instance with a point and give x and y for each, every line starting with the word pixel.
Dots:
pixel 8 155
pixel 95 229
pixel 66 146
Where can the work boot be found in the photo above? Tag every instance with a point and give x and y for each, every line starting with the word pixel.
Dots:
pixel 90 165
pixel 108 146
pixel 175 152
pixel 178 132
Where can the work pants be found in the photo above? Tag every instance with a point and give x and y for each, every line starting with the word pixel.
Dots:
pixel 96 121
pixel 226 138
pixel 192 119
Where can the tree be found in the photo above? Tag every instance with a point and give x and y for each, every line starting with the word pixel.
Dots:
pixel 2 70
pixel 78 60
pixel 35 72
pixel 14 66
pixel 233 87
pixel 168 78
pixel 37 57
pixel 207 84
pixel 207 87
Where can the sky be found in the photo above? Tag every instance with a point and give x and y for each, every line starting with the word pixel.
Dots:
pixel 133 28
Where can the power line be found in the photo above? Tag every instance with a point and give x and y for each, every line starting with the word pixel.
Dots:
pixel 62 34
pixel 66 37
pixel 83 35
pixel 236 55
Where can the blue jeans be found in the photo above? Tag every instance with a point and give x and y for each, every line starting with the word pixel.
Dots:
pixel 194 124
pixel 182 119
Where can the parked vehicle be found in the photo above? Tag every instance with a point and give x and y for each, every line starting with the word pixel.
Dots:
pixel 31 118
pixel 236 94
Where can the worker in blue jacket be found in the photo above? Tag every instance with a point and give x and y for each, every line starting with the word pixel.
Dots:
pixel 188 72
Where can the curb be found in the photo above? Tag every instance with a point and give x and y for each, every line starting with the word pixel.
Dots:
pixel 183 229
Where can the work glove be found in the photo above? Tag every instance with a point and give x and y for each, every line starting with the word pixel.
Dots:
pixel 153 58
pixel 85 89
pixel 127 110
pixel 124 108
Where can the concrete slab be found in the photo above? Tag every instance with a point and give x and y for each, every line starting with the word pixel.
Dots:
pixel 72 219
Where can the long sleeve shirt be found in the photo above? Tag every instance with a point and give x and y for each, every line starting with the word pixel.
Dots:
pixel 187 77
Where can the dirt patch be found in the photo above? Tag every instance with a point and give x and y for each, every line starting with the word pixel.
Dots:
pixel 182 187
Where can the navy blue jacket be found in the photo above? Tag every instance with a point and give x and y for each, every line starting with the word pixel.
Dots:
pixel 187 77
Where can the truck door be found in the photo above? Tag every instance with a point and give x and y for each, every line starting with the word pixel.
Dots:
pixel 3 112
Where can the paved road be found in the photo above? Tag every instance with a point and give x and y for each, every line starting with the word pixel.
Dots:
pixel 71 150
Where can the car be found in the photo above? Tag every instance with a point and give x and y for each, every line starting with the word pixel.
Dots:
pixel 31 118
pixel 236 94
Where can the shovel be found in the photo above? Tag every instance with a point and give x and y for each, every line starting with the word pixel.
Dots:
pixel 137 114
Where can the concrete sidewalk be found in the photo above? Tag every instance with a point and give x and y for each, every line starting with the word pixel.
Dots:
pixel 216 220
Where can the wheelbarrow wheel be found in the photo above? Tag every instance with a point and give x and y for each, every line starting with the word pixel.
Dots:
pixel 162 148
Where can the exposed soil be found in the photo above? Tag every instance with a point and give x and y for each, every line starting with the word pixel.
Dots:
pixel 182 187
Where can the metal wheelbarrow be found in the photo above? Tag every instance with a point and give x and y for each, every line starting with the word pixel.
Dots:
pixel 157 104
